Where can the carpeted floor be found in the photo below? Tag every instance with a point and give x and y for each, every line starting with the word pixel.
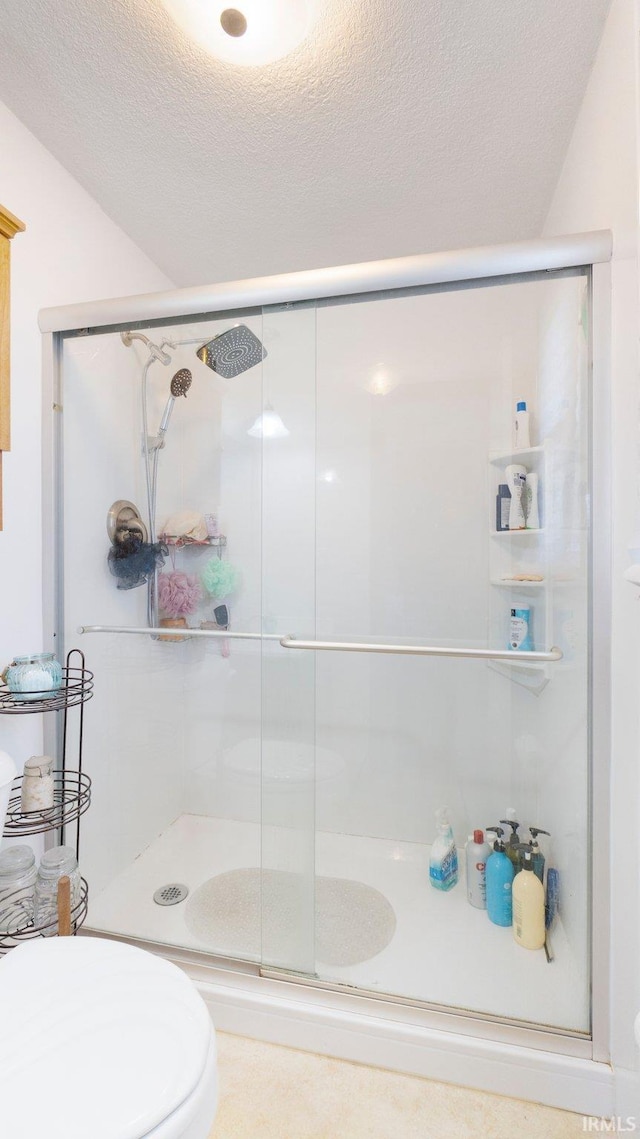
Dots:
pixel 269 1092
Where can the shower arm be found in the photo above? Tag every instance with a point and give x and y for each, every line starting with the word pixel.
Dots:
pixel 290 642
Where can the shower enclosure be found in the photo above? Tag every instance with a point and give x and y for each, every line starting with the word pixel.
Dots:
pixel 282 756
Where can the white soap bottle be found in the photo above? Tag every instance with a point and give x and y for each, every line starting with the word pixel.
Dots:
pixel 478 851
pixel 522 436
pixel 528 906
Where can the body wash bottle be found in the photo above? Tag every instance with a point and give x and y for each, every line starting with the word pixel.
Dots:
pixel 520 639
pixel 522 435
pixel 478 851
pixel 499 882
pixel 528 906
pixel 443 861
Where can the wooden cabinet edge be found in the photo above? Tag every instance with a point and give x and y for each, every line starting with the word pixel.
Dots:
pixel 9 223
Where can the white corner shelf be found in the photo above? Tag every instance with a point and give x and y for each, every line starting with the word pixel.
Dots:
pixel 520 552
pixel 515 533
pixel 497 458
pixel 500 583
pixel 534 676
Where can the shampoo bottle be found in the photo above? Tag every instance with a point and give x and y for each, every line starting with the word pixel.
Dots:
pixel 443 862
pixel 528 906
pixel 503 506
pixel 522 436
pixel 478 851
pixel 499 882
pixel 520 638
pixel 516 476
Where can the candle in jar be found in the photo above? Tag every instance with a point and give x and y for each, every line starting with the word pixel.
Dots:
pixel 38 784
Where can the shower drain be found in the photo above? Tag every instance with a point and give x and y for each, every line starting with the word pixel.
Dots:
pixel 171 894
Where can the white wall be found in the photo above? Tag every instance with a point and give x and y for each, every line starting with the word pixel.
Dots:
pixel 598 188
pixel 71 251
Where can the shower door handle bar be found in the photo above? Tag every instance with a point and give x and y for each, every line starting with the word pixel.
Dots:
pixel 509 655
pixel 290 642
pixel 167 631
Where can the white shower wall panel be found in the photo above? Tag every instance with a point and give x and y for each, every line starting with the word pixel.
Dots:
pixel 412 395
pixel 133 740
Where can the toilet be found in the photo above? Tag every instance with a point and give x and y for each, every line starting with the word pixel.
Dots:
pixel 99 1039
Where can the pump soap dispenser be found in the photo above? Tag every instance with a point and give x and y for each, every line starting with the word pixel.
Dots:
pixel 499 876
pixel 528 905
pixel 514 845
pixel 538 856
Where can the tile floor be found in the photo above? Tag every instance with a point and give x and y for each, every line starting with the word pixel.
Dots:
pixel 269 1092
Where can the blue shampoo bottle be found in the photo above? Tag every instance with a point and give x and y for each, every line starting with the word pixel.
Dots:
pixel 499 874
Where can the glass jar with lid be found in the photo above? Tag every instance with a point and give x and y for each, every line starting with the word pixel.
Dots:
pixel 33 677
pixel 37 784
pixel 57 863
pixel 17 888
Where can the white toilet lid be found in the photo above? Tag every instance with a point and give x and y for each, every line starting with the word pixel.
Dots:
pixel 97 1039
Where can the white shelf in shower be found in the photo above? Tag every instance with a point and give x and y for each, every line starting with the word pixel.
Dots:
pixel 515 533
pixel 498 458
pixel 534 676
pixel 520 551
pixel 500 584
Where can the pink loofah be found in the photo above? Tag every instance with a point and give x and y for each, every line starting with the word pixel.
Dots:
pixel 178 593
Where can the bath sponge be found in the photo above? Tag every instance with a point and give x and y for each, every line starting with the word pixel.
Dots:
pixel 219 578
pixel 178 593
pixel 133 561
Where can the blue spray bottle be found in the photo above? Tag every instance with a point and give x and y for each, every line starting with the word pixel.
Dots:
pixel 499 874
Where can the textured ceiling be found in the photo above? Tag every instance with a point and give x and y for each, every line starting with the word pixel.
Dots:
pixel 400 126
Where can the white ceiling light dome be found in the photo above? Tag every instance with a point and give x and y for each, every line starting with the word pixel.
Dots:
pixel 246 32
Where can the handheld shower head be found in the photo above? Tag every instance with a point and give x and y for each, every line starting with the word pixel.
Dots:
pixel 180 385
pixel 181 382
pixel 232 352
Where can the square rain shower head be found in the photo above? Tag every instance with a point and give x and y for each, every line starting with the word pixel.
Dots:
pixel 233 352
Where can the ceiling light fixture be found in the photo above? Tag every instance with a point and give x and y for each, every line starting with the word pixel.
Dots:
pixel 252 34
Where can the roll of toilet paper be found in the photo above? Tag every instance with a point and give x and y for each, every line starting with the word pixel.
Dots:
pixel 8 772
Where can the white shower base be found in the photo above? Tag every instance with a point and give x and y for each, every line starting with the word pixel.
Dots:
pixel 444 951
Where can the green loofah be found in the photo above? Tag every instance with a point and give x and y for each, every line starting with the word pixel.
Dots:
pixel 219 578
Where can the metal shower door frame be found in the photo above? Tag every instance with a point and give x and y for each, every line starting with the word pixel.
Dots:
pixel 457 269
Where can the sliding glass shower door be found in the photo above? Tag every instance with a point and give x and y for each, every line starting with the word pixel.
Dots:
pixel 355 632
pixel 384 529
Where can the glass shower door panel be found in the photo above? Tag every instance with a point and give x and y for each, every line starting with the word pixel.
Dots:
pixel 287 438
pixel 173 731
pixel 414 434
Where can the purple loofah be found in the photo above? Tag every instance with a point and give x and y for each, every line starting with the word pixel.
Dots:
pixel 178 593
